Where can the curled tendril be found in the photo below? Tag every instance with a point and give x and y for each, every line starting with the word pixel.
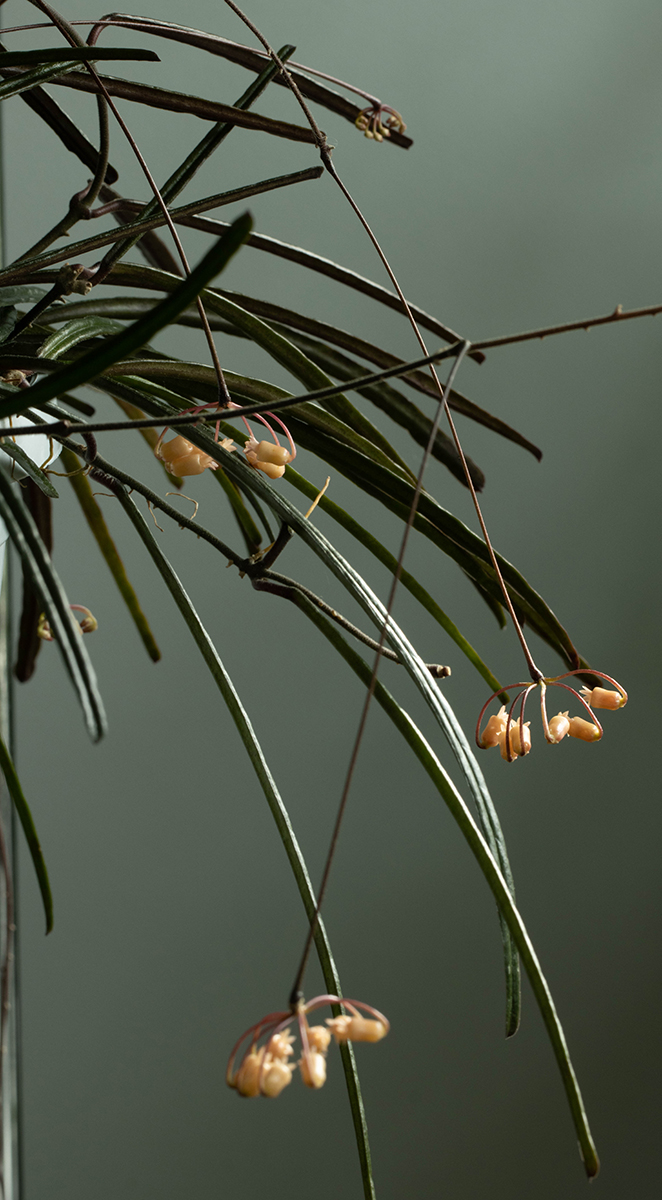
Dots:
pixel 511 734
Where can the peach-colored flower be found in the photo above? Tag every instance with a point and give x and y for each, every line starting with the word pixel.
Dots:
pixel 356 1029
pixel 586 731
pixel 495 728
pixel 182 458
pixel 267 457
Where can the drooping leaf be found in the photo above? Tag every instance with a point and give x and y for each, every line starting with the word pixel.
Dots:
pixel 36 559
pixel 179 102
pixel 276 806
pixel 136 225
pixel 95 520
pixel 25 817
pixel 19 456
pixel 8 318
pixel 24 81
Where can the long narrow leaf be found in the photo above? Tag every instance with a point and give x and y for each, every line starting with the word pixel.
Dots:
pixel 25 58
pixel 279 316
pixel 278 810
pixel 26 80
pixel 325 266
pixel 35 557
pixel 134 229
pixel 31 469
pixel 25 817
pixel 95 519
pixel 195 106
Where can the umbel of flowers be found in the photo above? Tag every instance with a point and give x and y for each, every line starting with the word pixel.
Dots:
pixel 512 734
pixel 265 1067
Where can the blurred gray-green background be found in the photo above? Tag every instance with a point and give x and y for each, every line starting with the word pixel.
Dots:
pixel 532 195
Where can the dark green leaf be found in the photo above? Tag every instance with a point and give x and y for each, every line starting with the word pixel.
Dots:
pixel 25 462
pixel 8 318
pixel 23 294
pixel 24 58
pixel 76 331
pixel 36 559
pixel 196 106
pixel 101 534
pixel 26 80
pixel 25 817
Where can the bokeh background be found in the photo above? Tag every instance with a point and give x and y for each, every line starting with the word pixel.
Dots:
pixel 531 196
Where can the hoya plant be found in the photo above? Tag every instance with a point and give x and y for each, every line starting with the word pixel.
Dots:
pixel 90 385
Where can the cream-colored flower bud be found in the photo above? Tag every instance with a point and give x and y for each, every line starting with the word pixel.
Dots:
pixel 248 1075
pixel 313 1069
pixel 280 1045
pixel 276 1076
pixel 319 1038
pixel 182 458
pixel 494 728
pixel 559 726
pixel 585 730
pixel 357 1029
pixel 603 698
pixel 268 452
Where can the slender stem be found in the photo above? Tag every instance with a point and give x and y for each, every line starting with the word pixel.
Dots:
pixel 619 314
pixel 281 585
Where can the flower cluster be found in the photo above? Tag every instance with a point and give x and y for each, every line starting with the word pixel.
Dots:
pixel 513 735
pixel 181 457
pixel 370 122
pixel 265 1069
